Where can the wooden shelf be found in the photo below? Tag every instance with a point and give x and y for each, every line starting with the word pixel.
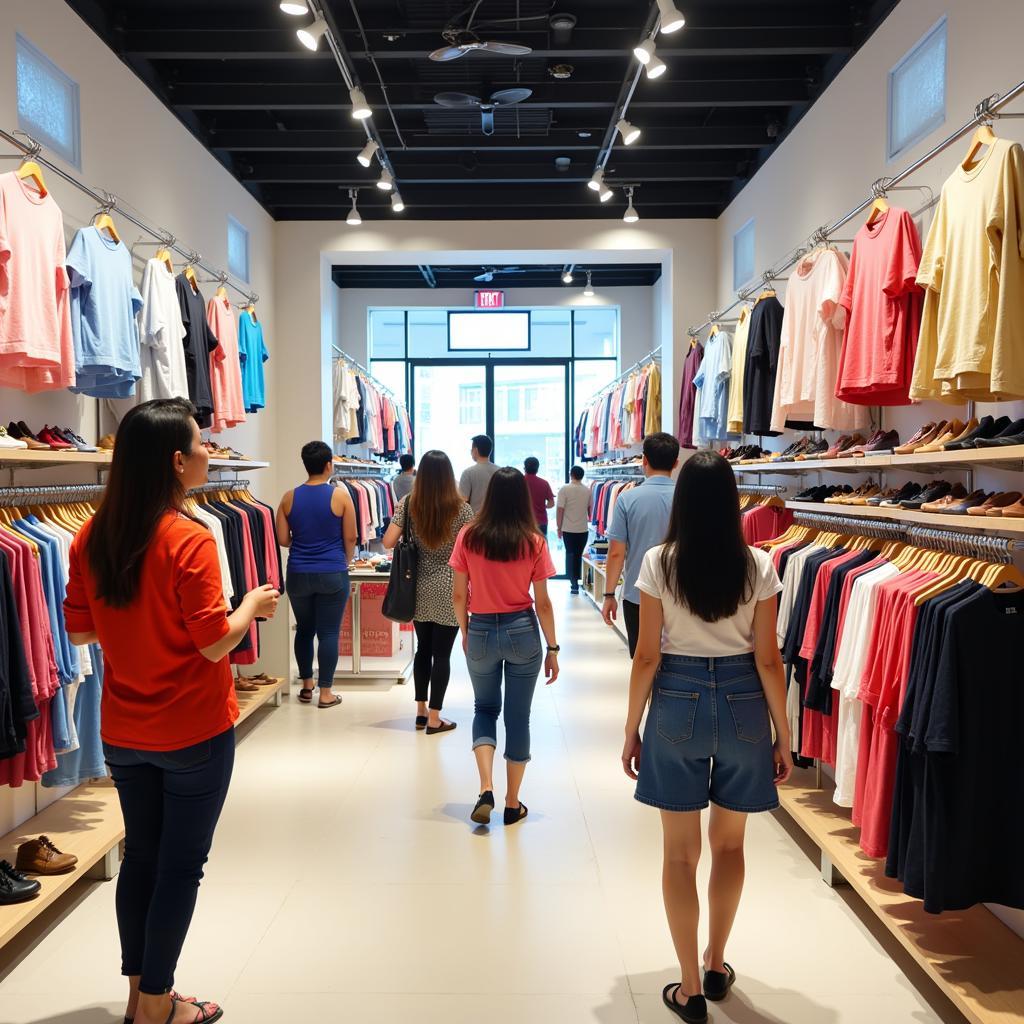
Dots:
pixel 87 822
pixel 975 959
pixel 14 457
pixel 242 465
pixel 865 465
pixel 1009 460
pixel 999 524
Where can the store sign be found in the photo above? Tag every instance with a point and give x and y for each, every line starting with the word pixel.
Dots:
pixel 489 299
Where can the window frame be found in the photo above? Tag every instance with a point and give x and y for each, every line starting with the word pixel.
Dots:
pixel 937 120
pixel 738 236
pixel 235 224
pixel 38 132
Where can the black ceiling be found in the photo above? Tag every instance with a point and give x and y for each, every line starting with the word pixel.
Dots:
pixel 740 75
pixel 603 275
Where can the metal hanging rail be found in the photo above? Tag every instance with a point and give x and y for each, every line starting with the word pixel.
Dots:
pixel 986 111
pixel 630 469
pixel 366 472
pixel 108 202
pixel 653 356
pixel 49 494
pixel 220 485
pixel 342 354
pixel 761 488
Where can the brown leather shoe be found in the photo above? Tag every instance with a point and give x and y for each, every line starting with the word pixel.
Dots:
pixel 106 442
pixel 994 505
pixel 969 428
pixel 41 857
pixel 955 496
pixel 862 498
pixel 953 430
pixel 1014 511
pixel 926 434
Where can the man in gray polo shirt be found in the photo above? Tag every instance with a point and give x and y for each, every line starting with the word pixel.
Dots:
pixel 639 522
pixel 473 482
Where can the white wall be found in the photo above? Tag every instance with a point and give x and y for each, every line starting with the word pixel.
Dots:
pixel 134 147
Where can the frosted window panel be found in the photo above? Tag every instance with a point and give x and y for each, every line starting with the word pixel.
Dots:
pixel 596 330
pixel 551 332
pixel 238 249
pixel 917 91
pixel 47 103
pixel 387 333
pixel 743 255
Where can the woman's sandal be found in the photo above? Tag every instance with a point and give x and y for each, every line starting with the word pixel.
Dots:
pixel 514 814
pixel 333 704
pixel 421 722
pixel 175 998
pixel 432 730
pixel 717 983
pixel 482 812
pixel 693 1011
pixel 305 696
pixel 243 687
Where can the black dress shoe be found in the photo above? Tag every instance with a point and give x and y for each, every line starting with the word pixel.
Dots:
pixel 987 427
pixel 906 492
pixel 932 493
pixel 14 886
pixel 1004 438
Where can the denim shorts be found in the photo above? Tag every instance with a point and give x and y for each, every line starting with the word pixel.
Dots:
pixel 708 737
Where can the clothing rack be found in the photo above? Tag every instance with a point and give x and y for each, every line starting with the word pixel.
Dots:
pixel 632 469
pixel 108 202
pixel 342 354
pixel 761 488
pixel 653 356
pixel 216 485
pixel 985 111
pixel 48 494
pixel 365 472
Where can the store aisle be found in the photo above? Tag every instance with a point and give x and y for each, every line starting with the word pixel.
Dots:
pixel 347 884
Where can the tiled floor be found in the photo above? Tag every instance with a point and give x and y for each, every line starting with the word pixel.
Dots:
pixel 347 884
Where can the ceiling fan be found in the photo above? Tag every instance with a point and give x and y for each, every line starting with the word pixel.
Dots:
pixel 501 98
pixel 462 41
pixel 489 273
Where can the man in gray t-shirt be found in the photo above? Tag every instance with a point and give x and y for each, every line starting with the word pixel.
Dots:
pixel 474 481
pixel 402 484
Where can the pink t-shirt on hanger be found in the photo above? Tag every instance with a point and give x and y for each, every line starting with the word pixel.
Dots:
pixel 225 367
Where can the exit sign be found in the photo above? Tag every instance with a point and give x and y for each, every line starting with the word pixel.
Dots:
pixel 489 299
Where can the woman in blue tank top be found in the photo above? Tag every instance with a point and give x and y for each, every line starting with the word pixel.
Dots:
pixel 318 523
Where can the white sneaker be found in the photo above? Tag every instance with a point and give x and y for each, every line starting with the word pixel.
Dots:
pixel 6 441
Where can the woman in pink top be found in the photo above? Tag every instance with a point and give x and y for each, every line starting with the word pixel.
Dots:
pixel 497 558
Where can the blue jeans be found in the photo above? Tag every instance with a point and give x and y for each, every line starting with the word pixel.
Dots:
pixel 318 600
pixel 507 644
pixel 170 801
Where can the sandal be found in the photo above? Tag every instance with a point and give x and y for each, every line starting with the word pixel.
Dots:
pixel 695 1009
pixel 333 704
pixel 514 814
pixel 175 997
pixel 243 687
pixel 305 696
pixel 482 812
pixel 421 722
pixel 443 727
pixel 717 983
pixel 206 1013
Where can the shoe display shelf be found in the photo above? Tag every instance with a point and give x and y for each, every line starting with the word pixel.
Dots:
pixel 1009 459
pixel 15 458
pixel 87 822
pixel 997 524
pixel 973 958
pixel 595 585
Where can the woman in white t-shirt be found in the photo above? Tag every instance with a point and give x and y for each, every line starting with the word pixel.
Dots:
pixel 708 651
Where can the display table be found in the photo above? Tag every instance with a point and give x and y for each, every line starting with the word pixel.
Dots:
pixel 595 586
pixel 373 647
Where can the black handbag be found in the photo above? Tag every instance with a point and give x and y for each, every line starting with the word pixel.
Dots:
pixel 400 600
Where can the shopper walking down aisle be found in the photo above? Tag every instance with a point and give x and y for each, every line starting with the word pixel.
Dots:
pixel 708 651
pixel 432 517
pixel 573 519
pixel 145 583
pixel 640 521
pixel 318 523
pixel 541 494
pixel 497 558
pixel 473 482
pixel 402 484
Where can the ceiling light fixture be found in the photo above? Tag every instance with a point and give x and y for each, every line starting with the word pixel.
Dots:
pixel 397 204
pixel 386 181
pixel 630 216
pixel 294 7
pixel 671 19
pixel 596 183
pixel 353 219
pixel 629 132
pixel 360 108
pixel 366 155
pixel 645 50
pixel 656 67
pixel 567 277
pixel 311 34
pixel 589 290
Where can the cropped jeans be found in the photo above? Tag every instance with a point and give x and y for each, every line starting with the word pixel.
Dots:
pixel 318 600
pixel 504 646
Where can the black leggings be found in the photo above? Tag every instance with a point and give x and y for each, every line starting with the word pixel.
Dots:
pixel 432 667
pixel 575 545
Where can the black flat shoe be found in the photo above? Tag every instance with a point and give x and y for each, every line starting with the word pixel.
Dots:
pixel 694 1011
pixel 717 984
pixel 421 722
pixel 433 730
pixel 482 812
pixel 305 696
pixel 514 814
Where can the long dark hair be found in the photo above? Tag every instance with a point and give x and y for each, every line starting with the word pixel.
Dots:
pixel 706 562
pixel 505 529
pixel 142 488
pixel 435 500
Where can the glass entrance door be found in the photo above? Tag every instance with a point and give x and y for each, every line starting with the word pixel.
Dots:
pixel 530 417
pixel 449 407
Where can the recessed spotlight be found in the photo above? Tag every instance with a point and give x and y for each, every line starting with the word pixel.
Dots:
pixel 311 34
pixel 561 71
pixel 584 135
pixel 386 181
pixel 397 203
pixel 629 132
pixel 671 19
pixel 656 67
pixel 353 219
pixel 645 51
pixel 366 156
pixel 360 108
pixel 562 163
pixel 294 7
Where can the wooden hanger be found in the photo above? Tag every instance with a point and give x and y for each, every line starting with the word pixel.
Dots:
pixel 164 255
pixel 30 169
pixel 251 310
pixel 983 136
pixel 190 276
pixel 879 208
pixel 104 222
pixel 1005 578
pixel 221 292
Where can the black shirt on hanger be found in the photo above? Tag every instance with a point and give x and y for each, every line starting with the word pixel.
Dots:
pixel 763 342
pixel 199 342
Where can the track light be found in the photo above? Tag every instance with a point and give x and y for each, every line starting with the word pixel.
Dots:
pixel 396 202
pixel 353 219
pixel 671 19
pixel 311 34
pixel 656 67
pixel 630 133
pixel 630 216
pixel 597 181
pixel 567 277
pixel 360 108
pixel 294 7
pixel 366 156
pixel 386 181
pixel 645 50
pixel 605 193
pixel 589 290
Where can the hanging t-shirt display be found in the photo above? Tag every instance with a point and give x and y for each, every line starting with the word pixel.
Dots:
pixel 225 369
pixel 972 328
pixel 104 308
pixel 883 304
pixel 252 353
pixel 712 384
pixel 161 336
pixel 734 418
pixel 762 361
pixel 200 342
pixel 688 394
pixel 37 351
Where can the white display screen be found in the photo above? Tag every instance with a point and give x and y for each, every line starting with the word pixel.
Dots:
pixel 488 332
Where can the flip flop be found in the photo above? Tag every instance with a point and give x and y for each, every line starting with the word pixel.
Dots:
pixel 421 722
pixel 334 703
pixel 718 983
pixel 443 727
pixel 305 696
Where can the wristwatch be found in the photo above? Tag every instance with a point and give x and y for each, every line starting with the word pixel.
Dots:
pixel 612 594
pixel 554 649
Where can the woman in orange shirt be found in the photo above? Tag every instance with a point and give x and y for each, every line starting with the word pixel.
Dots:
pixel 145 583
